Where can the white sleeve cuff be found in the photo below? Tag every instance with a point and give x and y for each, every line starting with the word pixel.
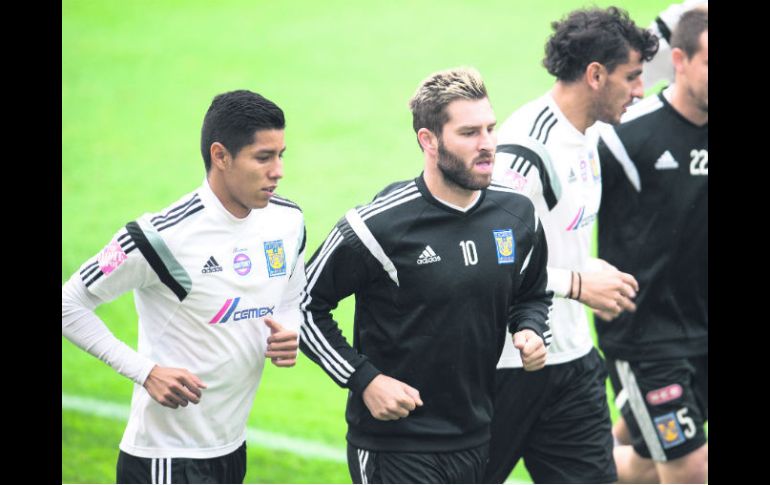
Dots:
pixel 593 265
pixel 559 281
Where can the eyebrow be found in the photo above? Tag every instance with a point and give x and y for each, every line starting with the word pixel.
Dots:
pixel 475 127
pixel 268 151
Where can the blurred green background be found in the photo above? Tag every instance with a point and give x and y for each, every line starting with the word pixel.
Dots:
pixel 137 78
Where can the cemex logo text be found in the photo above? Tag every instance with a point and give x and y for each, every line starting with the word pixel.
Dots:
pixel 229 310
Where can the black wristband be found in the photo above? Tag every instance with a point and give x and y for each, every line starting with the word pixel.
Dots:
pixel 580 286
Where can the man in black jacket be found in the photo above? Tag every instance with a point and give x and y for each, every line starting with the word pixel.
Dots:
pixel 654 223
pixel 443 267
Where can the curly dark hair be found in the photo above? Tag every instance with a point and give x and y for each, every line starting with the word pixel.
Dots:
pixel 595 35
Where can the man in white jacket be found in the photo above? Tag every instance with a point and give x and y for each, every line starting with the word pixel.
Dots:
pixel 557 418
pixel 217 278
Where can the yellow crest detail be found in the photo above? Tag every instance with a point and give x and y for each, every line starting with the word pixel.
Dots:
pixel 668 430
pixel 276 257
pixel 505 245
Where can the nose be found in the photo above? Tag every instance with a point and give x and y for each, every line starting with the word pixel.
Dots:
pixel 637 91
pixel 276 171
pixel 488 141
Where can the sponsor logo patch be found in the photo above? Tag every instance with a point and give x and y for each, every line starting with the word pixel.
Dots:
pixel 580 220
pixel 242 264
pixel 514 180
pixel 664 394
pixel 669 430
pixel 111 257
pixel 276 258
pixel 505 245
pixel 229 309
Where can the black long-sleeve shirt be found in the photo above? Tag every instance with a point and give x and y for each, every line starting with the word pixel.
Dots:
pixel 653 223
pixel 436 289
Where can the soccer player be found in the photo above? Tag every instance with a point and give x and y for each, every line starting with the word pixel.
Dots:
pixel 558 419
pixel 654 222
pixel 217 278
pixel 443 267
pixel 659 68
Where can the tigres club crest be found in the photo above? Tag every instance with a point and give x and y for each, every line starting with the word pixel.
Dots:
pixel 505 245
pixel 276 258
pixel 669 431
pixel 595 172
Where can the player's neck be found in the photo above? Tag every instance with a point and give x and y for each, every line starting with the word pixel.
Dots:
pixel 682 101
pixel 574 103
pixel 228 202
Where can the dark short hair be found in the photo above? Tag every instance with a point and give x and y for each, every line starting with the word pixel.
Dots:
pixel 598 35
pixel 234 117
pixel 686 35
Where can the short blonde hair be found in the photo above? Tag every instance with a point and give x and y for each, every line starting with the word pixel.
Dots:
pixel 434 94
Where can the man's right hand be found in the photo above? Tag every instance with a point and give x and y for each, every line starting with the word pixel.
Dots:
pixel 173 387
pixel 532 349
pixel 608 291
pixel 389 399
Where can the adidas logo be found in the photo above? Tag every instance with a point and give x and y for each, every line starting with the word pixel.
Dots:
pixel 666 162
pixel 211 266
pixel 428 256
pixel 572 176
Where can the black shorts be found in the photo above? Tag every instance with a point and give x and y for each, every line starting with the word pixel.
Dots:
pixel 464 466
pixel 557 419
pixel 664 404
pixel 230 468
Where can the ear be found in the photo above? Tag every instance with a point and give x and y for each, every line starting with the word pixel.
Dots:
pixel 678 58
pixel 428 141
pixel 596 75
pixel 220 157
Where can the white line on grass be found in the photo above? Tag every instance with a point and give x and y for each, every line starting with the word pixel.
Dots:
pixel 256 437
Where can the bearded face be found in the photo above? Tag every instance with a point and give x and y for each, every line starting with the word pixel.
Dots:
pixel 461 173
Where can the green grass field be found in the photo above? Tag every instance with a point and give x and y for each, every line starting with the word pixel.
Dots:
pixel 137 78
